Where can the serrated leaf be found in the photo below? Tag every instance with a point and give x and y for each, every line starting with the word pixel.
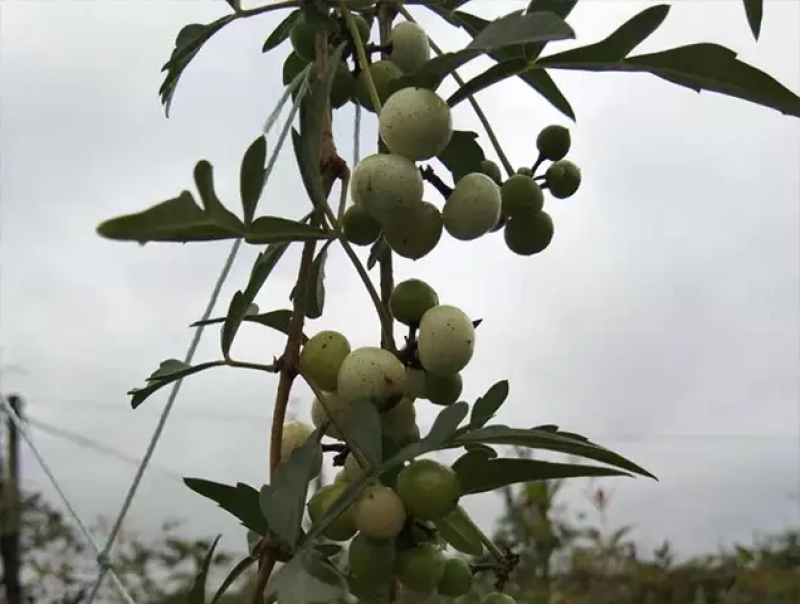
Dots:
pixel 232 576
pixel 698 67
pixel 364 426
pixel 213 207
pixel 178 220
pixel 495 74
pixel 283 502
pixel 281 32
pixel 139 395
pixel 308 578
pixel 307 142
pixel 518 28
pixel 241 501
pixel 459 531
pixel 754 10
pixel 252 177
pixel 562 8
pixel 187 44
pixel 274 229
pixel 478 474
pixel 619 44
pixel 486 406
pixel 316 300
pixel 541 82
pixel 462 155
pixel 547 441
pixel 275 319
pixel 197 594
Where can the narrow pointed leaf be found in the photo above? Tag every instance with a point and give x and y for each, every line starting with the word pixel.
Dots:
pixel 157 382
pixel 178 220
pixel 232 577
pixel 433 72
pixel 754 10
pixel 281 31
pixel 316 300
pixel 541 82
pixel 494 75
pixel 518 28
pixel 273 229
pixel 562 8
pixel 197 595
pixel 477 474
pixel 446 423
pixel 252 177
pixel 241 501
pixel 457 529
pixel 213 207
pixel 365 430
pixel 463 154
pixel 487 405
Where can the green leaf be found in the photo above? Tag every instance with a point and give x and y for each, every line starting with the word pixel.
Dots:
pixel 283 502
pixel 700 67
pixel 308 141
pixel 273 229
pixel 241 501
pixel 187 44
pixel 459 531
pixel 275 319
pixel 519 28
pixel 365 430
pixel 197 595
pixel 486 450
pixel 754 10
pixel 495 74
pixel 161 377
pixel 328 550
pixel 308 578
pixel 341 504
pixel 316 301
pixel 462 155
pixel 376 252
pixel 281 31
pixel 214 210
pixel 435 70
pixel 235 573
pixel 478 474
pixel 562 8
pixel 618 45
pixel 445 424
pixel 178 220
pixel 548 441
pixel 253 177
pixel 486 406
pixel 541 82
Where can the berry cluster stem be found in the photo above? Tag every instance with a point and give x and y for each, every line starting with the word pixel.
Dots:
pixel 362 55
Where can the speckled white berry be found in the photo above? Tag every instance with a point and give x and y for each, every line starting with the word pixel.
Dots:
pixel 416 123
pixel 410 46
pixel 371 373
pixel 446 340
pixel 473 208
pixel 384 182
pixel 339 410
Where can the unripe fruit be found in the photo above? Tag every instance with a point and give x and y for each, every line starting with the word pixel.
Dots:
pixel 521 196
pixel 416 123
pixel 563 178
pixel 371 373
pixel 553 142
pixel 344 526
pixel 303 38
pixel 399 422
pixel 339 477
pixel 428 490
pixel 443 389
pixel 446 340
pixel 359 227
pixel 415 383
pixel 414 232
pixel 492 170
pixel 339 409
pixel 383 73
pixel 473 208
pixel 378 513
pixel 525 171
pixel 410 300
pixel 292 67
pixel 410 46
pixel 498 598
pixel 372 562
pixel 294 435
pixel 529 235
pixel 322 356
pixel 343 86
pixel 420 568
pixel 456 580
pixel 384 184
pixel 364 28
pixel 351 470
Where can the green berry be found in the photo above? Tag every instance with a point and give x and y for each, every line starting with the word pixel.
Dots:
pixel 420 568
pixel 528 235
pixel 428 490
pixel 292 67
pixel 446 340
pixel 492 170
pixel 456 580
pixel 414 232
pixel 363 26
pixel 521 196
pixel 343 86
pixel 322 356
pixel 410 300
pixel 553 142
pixel 443 390
pixel 383 73
pixel 473 208
pixel 344 526
pixel 371 373
pixel 498 598
pixel 303 38
pixel 416 123
pixel 525 170
pixel 399 423
pixel 563 179
pixel 379 513
pixel 360 228
pixel 385 184
pixel 371 561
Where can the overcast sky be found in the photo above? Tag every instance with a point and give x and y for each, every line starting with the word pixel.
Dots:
pixel 663 321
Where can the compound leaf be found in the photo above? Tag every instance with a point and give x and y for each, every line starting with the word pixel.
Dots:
pixel 241 501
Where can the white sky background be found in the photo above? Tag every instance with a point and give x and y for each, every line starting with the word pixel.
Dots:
pixel 662 321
